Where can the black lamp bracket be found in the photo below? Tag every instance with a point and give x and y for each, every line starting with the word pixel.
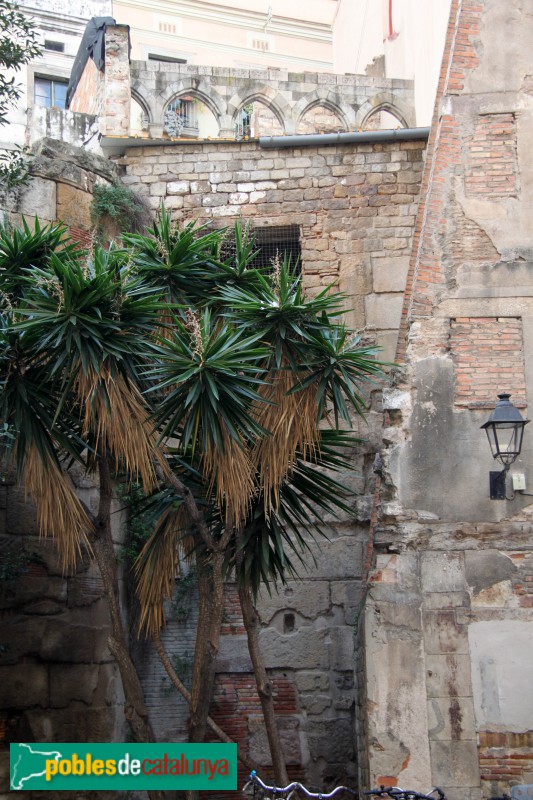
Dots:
pixel 498 481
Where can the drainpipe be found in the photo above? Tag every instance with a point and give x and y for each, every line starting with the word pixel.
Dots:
pixel 352 137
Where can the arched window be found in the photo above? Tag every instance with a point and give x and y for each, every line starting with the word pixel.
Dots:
pixel 181 117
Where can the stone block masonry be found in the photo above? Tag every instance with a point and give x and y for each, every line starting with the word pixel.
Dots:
pixel 354 205
pixel 285 102
pixel 354 209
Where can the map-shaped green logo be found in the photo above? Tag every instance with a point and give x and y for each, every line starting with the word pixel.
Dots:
pixel 28 764
pixel 116 766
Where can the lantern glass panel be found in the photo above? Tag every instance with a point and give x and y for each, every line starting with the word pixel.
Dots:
pixel 505 439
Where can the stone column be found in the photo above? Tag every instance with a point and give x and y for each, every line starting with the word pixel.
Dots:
pixel 115 120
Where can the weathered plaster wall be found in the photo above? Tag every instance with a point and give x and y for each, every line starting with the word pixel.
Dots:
pixel 449 620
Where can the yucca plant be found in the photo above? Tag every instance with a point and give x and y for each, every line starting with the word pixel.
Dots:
pixel 74 337
pixel 219 388
pixel 246 386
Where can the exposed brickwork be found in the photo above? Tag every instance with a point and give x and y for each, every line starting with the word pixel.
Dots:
pixel 83 237
pixel 467 243
pixel 489 358
pixel 491 157
pixel 505 759
pixel 449 545
pixel 232 622
pixel 522 581
pixel 426 276
pixel 462 47
pixel 237 709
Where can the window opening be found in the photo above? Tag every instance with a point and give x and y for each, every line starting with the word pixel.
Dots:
pixel 243 126
pixel 167 59
pixel 58 47
pixel 50 93
pixel 271 241
pixel 181 117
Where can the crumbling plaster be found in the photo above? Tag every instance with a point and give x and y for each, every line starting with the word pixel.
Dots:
pixel 458 561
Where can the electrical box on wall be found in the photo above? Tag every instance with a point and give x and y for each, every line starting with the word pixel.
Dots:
pixel 519 481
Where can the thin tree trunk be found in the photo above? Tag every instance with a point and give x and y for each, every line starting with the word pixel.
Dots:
pixel 264 687
pixel 182 689
pixel 135 708
pixel 210 614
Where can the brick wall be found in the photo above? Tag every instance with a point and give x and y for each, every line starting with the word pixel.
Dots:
pixel 426 276
pixel 453 707
pixel 237 709
pixel 489 358
pixel 522 583
pixel 504 758
pixel 491 168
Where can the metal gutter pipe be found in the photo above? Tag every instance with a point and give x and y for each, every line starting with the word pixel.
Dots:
pixel 352 137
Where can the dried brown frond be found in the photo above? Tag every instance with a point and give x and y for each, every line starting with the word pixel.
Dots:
pixel 114 412
pixel 156 569
pixel 231 472
pixel 292 424
pixel 60 513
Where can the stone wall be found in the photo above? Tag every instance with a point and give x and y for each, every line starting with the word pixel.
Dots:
pixel 62 180
pixel 449 622
pixel 58 680
pixel 354 205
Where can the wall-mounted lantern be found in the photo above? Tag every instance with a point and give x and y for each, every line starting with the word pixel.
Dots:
pixel 505 431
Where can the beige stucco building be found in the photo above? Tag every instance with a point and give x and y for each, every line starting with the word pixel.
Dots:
pixel 394 38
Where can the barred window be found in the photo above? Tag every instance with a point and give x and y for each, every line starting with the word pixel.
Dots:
pixel 272 241
pixel 181 117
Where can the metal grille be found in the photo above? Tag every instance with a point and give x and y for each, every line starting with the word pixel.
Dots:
pixel 276 241
pixel 181 117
